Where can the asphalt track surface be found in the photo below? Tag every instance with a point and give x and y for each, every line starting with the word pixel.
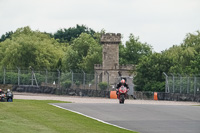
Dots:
pixel 143 118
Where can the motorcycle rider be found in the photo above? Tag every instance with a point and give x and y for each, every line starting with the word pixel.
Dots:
pixel 8 90
pixel 121 83
pixel 1 97
pixel 1 92
pixel 9 95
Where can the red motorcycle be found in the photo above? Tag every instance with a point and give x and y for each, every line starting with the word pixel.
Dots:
pixel 122 94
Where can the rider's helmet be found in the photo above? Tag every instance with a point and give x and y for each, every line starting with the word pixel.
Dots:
pixel 8 90
pixel 0 90
pixel 122 81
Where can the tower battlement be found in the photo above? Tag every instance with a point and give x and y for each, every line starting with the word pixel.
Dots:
pixel 98 66
pixel 126 67
pixel 111 38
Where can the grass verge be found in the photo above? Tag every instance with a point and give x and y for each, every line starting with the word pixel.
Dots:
pixel 35 116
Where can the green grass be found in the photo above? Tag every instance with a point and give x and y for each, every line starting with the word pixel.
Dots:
pixel 33 116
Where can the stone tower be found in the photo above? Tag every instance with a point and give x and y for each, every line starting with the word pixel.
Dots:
pixel 109 70
pixel 110 51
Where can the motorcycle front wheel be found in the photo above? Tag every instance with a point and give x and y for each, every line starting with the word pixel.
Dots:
pixel 121 100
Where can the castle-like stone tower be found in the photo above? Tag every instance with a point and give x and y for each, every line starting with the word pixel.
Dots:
pixel 110 51
pixel 110 68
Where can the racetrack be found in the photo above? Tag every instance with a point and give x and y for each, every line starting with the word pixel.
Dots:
pixel 143 118
pixel 139 115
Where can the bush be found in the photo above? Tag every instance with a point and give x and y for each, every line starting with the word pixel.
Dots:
pixel 40 78
pixel 103 85
pixel 77 83
pixel 66 84
pixel 25 79
pixel 11 78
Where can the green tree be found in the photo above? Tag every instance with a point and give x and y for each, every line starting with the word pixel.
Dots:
pixel 192 40
pixel 182 59
pixel 30 48
pixel 150 72
pixel 133 51
pixel 67 35
pixel 5 36
pixel 192 43
pixel 83 53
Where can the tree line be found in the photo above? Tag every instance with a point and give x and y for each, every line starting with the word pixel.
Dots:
pixel 79 48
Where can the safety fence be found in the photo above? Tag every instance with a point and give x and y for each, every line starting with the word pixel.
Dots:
pixel 183 84
pixel 56 79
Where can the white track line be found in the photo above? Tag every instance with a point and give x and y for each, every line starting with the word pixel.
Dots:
pixel 90 117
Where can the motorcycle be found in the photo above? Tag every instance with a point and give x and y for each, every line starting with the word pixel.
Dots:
pixel 2 97
pixel 9 96
pixel 122 94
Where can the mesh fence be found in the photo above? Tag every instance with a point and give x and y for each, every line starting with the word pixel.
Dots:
pixel 49 78
pixel 182 84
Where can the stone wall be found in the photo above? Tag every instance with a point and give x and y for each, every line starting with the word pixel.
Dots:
pixel 71 92
pixel 4 87
pixel 178 97
pixel 143 95
pixel 99 93
pixel 166 96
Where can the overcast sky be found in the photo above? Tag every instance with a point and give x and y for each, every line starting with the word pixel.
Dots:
pixel 160 23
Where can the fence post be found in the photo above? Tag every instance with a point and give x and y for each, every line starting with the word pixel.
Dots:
pixel 108 81
pixel 180 83
pixel 72 78
pixel 31 77
pixel 58 78
pixel 166 83
pixel 46 77
pixel 18 75
pixel 83 79
pixel 32 73
pixel 173 81
pixel 4 75
pixel 96 79
pixel 195 85
pixel 188 85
